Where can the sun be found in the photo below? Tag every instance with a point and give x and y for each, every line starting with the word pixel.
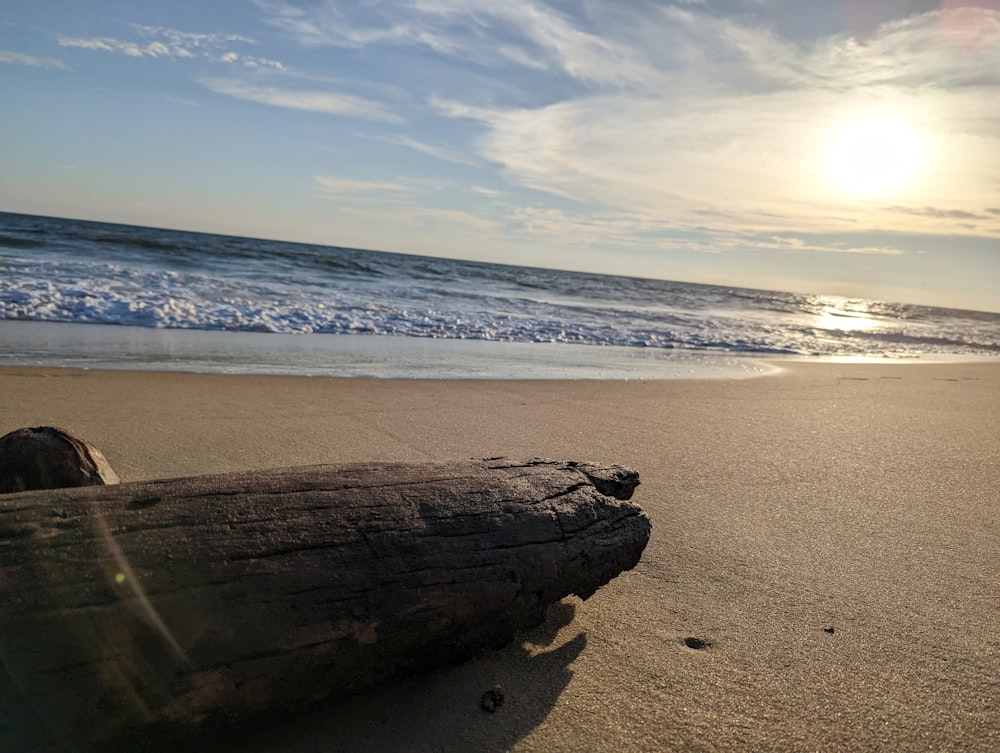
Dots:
pixel 875 154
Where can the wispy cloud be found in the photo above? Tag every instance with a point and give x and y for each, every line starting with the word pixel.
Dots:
pixel 17 58
pixel 431 150
pixel 628 229
pixel 251 84
pixel 250 61
pixel 591 229
pixel 164 42
pixel 329 103
pixel 190 40
pixel 523 33
pixel 333 185
pixel 797 244
pixel 935 212
pixel 132 49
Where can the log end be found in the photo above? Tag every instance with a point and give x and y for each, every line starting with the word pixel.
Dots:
pixel 47 457
pixel 610 480
pixel 602 533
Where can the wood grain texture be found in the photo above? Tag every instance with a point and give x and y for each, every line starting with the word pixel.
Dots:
pixel 162 606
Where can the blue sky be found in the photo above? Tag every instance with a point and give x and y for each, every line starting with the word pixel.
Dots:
pixel 848 148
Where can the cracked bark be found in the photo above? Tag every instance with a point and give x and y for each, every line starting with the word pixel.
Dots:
pixel 168 605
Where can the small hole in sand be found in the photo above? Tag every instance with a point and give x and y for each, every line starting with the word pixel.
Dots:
pixel 696 643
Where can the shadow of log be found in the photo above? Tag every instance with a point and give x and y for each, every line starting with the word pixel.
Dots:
pixel 436 712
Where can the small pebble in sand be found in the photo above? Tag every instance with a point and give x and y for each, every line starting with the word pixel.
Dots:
pixel 492 699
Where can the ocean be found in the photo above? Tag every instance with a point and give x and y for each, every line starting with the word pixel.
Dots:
pixel 99 295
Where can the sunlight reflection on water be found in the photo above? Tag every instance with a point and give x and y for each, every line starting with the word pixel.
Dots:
pixel 845 315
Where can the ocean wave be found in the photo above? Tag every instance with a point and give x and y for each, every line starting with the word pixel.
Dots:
pixel 68 271
pixel 185 301
pixel 149 244
pixel 942 342
pixel 15 241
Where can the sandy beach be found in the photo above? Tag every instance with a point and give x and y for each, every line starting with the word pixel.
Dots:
pixel 830 534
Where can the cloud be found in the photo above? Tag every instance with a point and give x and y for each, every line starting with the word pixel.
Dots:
pixel 17 58
pixel 190 40
pixel 249 61
pixel 333 185
pixel 630 229
pixel 796 244
pixel 439 152
pixel 132 49
pixel 949 49
pixel 601 228
pixel 739 123
pixel 690 118
pixel 950 214
pixel 329 103
pixel 164 42
pixel 525 33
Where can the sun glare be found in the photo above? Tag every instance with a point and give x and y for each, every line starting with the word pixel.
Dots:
pixel 840 321
pixel 843 314
pixel 876 155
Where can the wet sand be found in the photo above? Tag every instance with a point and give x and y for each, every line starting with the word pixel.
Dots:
pixel 829 535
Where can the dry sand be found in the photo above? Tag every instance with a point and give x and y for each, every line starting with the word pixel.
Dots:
pixel 830 532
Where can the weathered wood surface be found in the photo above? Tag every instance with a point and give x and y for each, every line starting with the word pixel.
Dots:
pixel 160 606
pixel 47 457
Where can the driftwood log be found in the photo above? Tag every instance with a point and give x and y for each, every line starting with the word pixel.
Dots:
pixel 47 457
pixel 144 608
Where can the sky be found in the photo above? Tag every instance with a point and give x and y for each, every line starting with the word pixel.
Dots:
pixel 843 147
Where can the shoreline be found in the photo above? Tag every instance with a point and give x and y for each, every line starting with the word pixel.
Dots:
pixel 115 347
pixel 118 347
pixel 858 497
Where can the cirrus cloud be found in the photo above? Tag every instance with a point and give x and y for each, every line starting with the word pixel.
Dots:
pixel 17 58
pixel 309 100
